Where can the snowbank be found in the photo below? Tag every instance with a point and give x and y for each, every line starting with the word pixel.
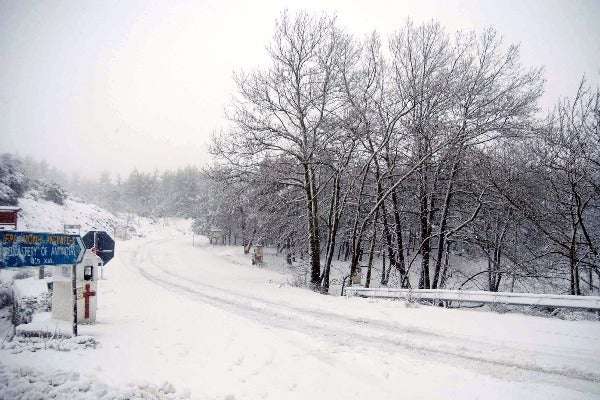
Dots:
pixel 42 324
pixel 28 383
pixel 30 287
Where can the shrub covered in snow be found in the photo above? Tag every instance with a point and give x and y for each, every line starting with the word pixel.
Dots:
pixel 54 193
pixel 27 306
pixel 47 191
pixel 5 294
pixel 27 383
pixel 13 182
pixel 5 297
pixel 21 343
pixel 22 274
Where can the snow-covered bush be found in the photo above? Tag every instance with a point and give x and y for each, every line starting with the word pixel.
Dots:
pixel 13 182
pixel 22 274
pixel 27 306
pixel 34 341
pixel 54 193
pixel 46 191
pixel 27 383
pixel 5 294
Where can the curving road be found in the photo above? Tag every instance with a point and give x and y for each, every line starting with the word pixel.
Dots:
pixel 355 347
pixel 203 319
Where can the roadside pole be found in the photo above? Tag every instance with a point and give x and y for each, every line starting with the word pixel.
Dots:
pixel 13 316
pixel 74 286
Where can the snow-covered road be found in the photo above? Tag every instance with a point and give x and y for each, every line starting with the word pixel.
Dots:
pixel 205 320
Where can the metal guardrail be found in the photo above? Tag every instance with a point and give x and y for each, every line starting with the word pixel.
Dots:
pixel 475 296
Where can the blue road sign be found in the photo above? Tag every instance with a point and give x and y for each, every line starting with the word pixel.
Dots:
pixel 30 249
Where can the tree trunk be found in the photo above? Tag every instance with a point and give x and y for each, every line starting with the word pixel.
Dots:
pixel 347 252
pixel 443 222
pixel 401 262
pixel 573 267
pixel 314 247
pixel 334 217
pixel 446 262
pixel 356 236
pixel 386 229
pixel 383 274
pixel 425 239
pixel 372 250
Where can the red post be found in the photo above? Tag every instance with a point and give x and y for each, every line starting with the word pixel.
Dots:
pixel 86 295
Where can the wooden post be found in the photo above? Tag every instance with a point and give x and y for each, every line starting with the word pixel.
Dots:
pixel 74 286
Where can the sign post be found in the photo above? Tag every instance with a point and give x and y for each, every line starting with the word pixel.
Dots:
pixel 101 244
pixel 36 249
pixel 74 286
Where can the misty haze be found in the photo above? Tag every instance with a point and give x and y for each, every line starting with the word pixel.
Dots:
pixel 332 200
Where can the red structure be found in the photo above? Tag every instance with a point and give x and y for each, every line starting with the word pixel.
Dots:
pixel 8 217
pixel 86 295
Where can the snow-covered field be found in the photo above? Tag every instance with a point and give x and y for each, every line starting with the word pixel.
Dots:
pixel 201 321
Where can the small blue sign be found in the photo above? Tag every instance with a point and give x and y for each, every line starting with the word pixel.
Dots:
pixel 30 249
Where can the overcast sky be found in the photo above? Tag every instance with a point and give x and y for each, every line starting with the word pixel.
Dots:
pixel 113 85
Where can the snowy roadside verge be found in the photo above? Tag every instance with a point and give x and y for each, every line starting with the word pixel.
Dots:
pixel 35 343
pixel 31 384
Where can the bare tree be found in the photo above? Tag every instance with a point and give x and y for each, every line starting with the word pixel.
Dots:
pixel 289 108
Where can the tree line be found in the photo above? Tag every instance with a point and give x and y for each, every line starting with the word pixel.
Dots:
pixel 414 146
pixel 171 193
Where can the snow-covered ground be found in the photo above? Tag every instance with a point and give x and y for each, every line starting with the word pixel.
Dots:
pixel 205 321
pixel 41 215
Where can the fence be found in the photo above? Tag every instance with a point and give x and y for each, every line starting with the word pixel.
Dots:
pixel 472 296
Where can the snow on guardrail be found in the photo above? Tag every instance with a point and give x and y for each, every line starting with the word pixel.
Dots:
pixel 476 296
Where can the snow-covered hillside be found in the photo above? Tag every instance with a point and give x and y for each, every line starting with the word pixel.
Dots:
pixel 42 215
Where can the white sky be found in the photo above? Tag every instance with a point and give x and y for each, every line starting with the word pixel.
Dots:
pixel 113 85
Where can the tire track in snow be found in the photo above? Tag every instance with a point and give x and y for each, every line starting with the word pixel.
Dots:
pixel 140 257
